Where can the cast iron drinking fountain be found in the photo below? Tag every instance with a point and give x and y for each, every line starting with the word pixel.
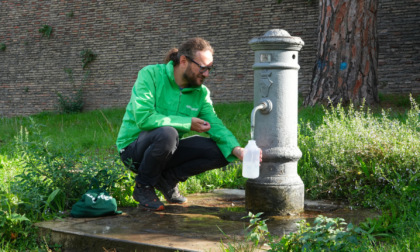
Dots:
pixel 278 190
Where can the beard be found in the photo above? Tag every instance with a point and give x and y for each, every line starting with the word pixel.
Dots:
pixel 193 80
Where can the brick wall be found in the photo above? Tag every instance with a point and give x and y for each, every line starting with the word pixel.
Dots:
pixel 399 46
pixel 127 35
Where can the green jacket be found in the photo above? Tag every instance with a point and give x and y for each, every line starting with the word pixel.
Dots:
pixel 157 101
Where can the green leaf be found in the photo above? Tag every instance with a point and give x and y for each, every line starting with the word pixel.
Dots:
pixel 18 217
pixel 52 196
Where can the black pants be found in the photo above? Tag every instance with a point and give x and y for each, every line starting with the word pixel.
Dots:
pixel 159 152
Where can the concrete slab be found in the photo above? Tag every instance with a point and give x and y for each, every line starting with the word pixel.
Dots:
pixel 198 225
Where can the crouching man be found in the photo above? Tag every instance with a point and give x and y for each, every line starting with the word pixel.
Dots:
pixel 167 101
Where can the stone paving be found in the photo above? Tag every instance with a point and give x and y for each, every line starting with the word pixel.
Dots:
pixel 198 225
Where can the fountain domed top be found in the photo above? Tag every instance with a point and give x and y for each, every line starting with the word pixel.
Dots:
pixel 276 39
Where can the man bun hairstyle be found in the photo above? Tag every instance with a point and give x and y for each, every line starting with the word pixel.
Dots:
pixel 188 48
pixel 172 54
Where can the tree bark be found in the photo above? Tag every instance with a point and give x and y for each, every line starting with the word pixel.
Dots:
pixel 347 57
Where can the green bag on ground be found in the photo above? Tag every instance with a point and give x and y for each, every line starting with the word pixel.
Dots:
pixel 95 203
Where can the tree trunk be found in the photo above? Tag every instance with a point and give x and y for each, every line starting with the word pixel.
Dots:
pixel 347 58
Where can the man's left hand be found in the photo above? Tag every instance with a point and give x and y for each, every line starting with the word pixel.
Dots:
pixel 239 153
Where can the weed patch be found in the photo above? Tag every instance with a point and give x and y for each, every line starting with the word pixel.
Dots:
pixel 361 158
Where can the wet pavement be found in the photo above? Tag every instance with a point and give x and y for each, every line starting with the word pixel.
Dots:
pixel 198 225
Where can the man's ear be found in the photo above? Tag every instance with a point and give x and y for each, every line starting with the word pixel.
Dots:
pixel 183 60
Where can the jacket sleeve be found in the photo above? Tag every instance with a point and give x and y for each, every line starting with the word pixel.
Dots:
pixel 223 137
pixel 143 101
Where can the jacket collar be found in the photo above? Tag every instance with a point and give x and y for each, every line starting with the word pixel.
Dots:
pixel 170 72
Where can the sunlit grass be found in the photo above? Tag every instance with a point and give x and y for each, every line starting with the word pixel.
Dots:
pixel 90 132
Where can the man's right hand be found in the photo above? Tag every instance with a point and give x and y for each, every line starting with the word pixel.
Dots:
pixel 199 125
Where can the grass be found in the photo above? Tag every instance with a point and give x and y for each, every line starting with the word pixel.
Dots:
pixel 89 132
pixel 367 157
pixel 95 132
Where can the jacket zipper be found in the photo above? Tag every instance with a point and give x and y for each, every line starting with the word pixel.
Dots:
pixel 179 101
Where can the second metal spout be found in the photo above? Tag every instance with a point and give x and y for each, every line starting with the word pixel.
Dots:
pixel 265 106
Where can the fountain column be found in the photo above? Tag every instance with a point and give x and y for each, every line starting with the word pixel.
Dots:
pixel 279 189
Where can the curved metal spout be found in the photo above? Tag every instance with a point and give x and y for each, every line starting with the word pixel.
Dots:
pixel 265 106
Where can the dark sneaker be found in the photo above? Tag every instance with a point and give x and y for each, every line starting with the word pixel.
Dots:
pixel 147 198
pixel 170 192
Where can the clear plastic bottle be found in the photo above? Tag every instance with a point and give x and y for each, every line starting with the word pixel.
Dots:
pixel 251 162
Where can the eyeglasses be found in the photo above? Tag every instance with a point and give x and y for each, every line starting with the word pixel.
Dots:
pixel 203 69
